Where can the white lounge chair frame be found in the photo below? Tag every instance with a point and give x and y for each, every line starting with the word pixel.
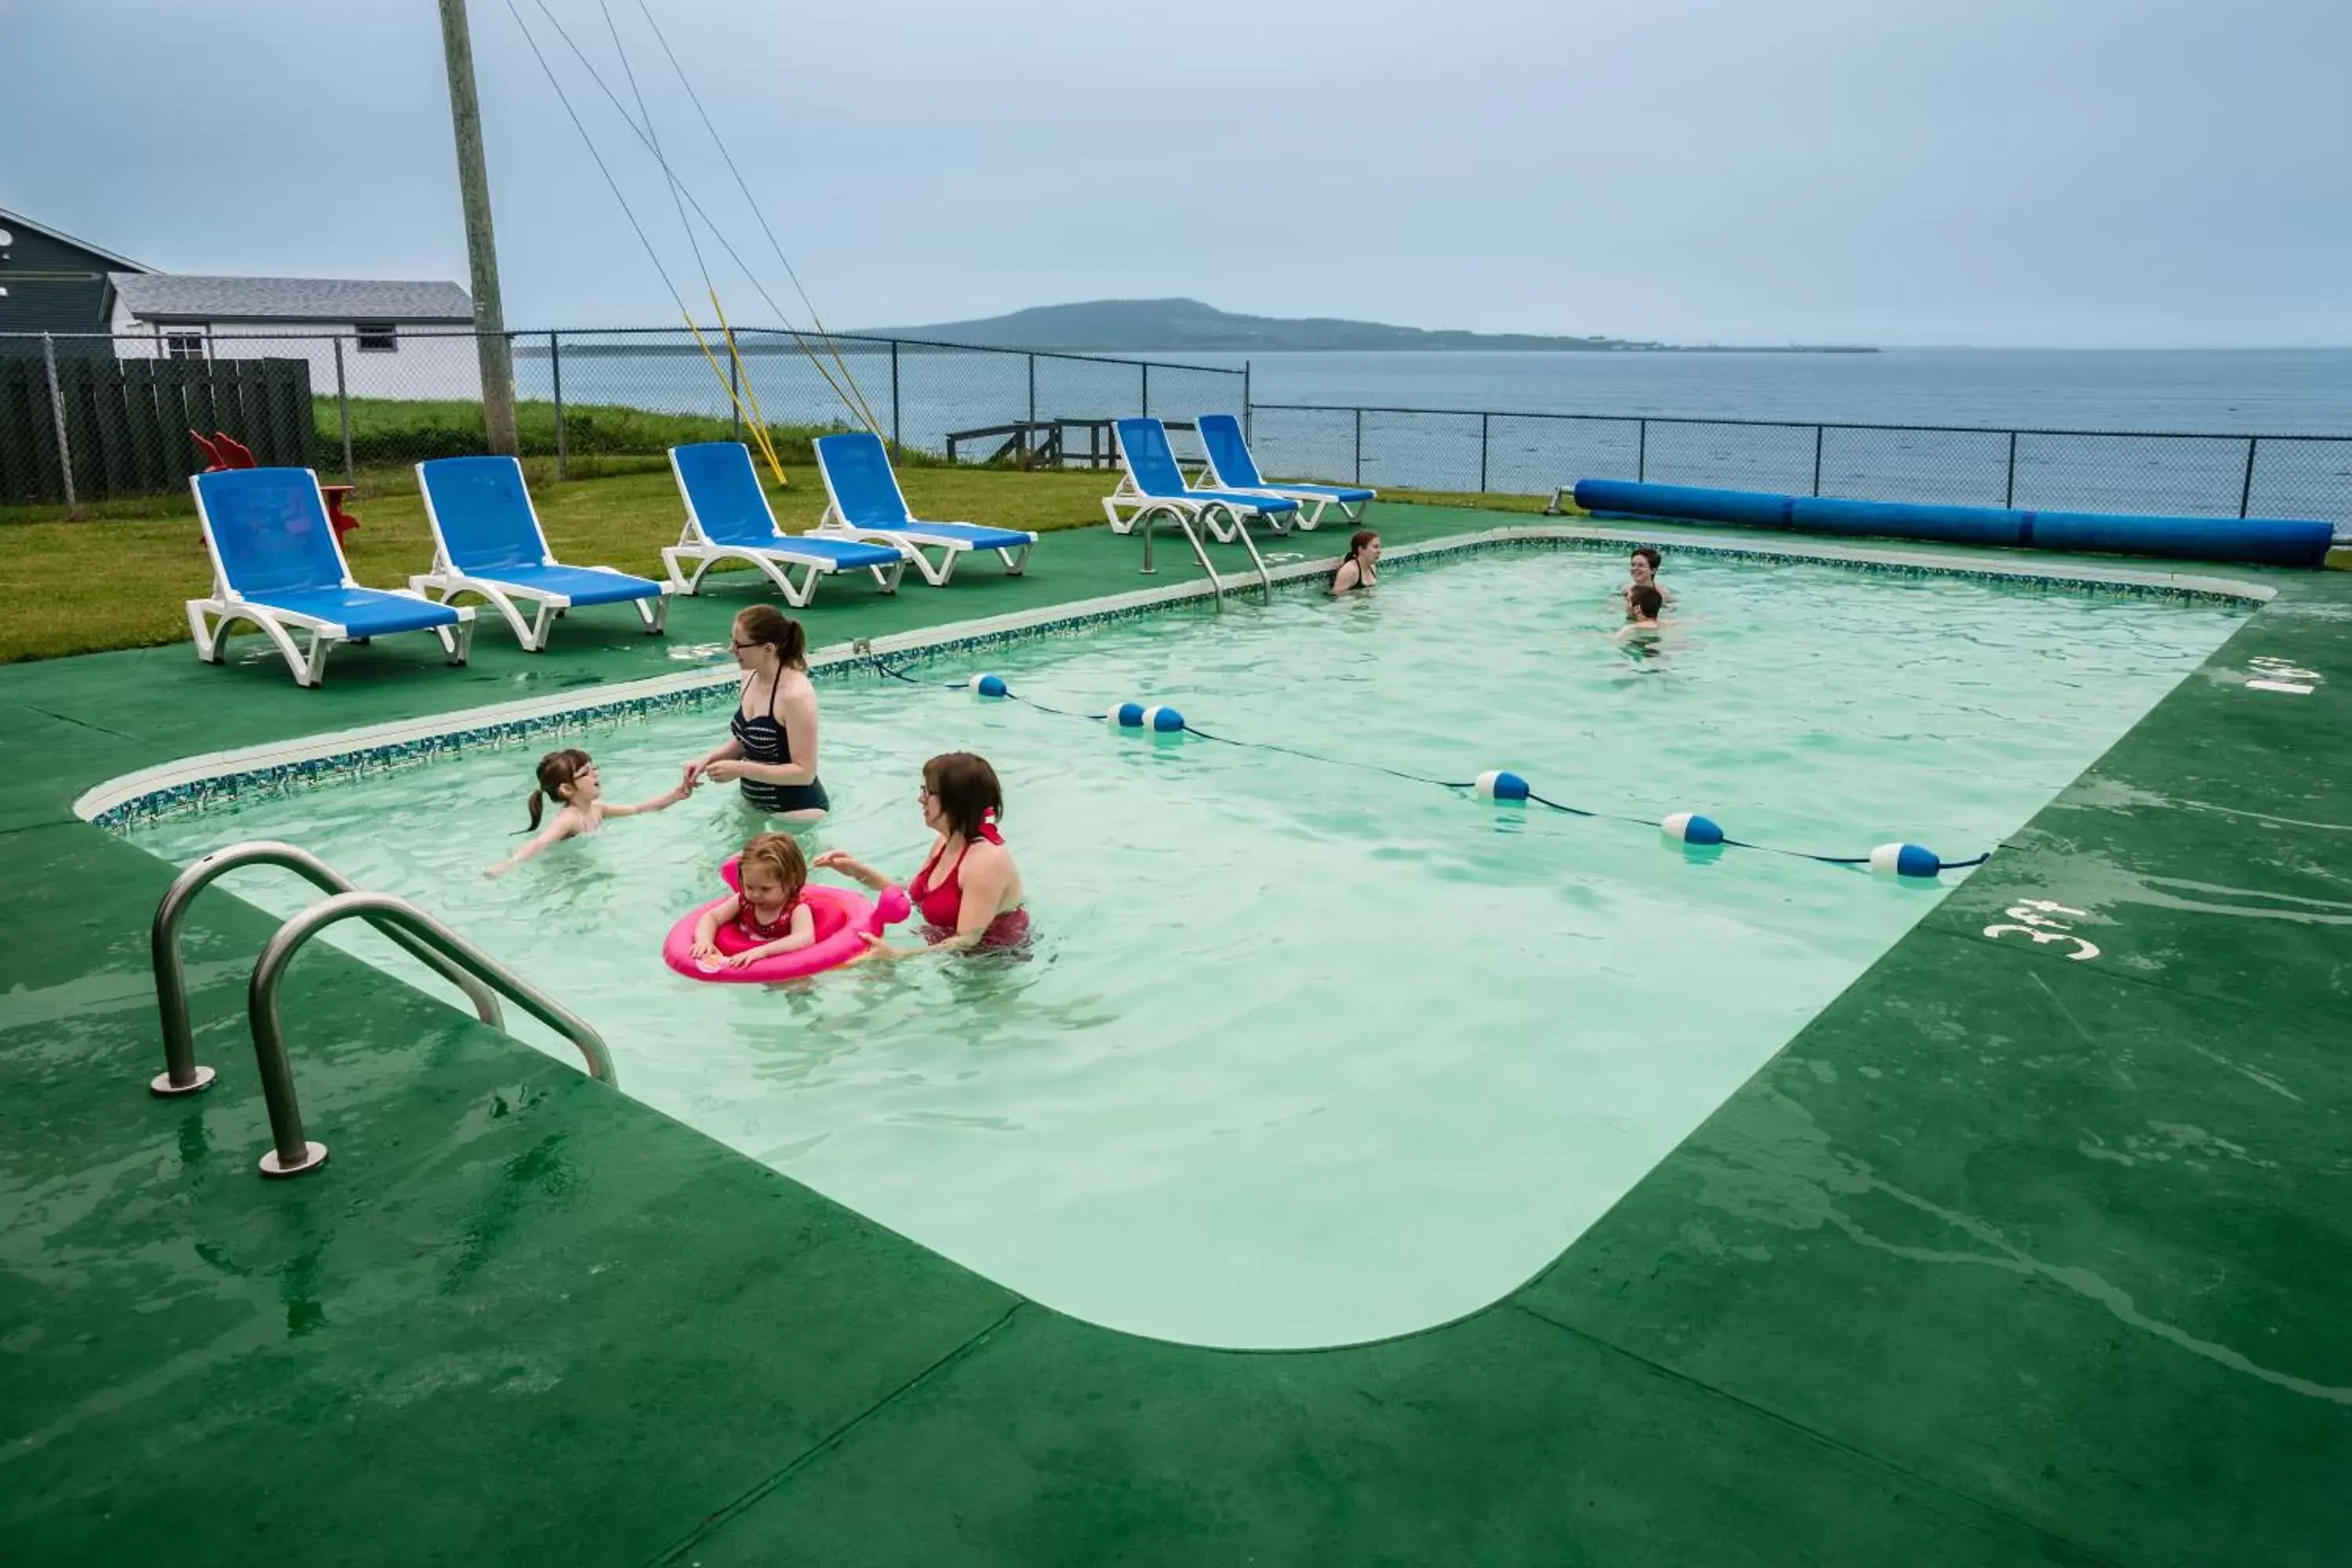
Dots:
pixel 775 563
pixel 909 540
pixel 449 582
pixel 209 620
pixel 1311 502
pixel 1127 503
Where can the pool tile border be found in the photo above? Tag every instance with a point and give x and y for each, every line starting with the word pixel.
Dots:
pixel 194 783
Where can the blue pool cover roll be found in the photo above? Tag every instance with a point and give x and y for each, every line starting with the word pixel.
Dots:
pixel 2255 540
pixel 2248 541
pixel 1906 520
pixel 1744 507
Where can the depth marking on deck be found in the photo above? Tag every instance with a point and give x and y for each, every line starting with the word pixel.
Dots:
pixel 2283 675
pixel 2034 921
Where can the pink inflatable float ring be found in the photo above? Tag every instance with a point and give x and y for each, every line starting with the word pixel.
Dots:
pixel 843 919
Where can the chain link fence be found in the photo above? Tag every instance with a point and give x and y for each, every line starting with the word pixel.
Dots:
pixel 2183 474
pixel 93 418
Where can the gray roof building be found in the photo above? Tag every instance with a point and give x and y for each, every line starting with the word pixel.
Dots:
pixel 166 298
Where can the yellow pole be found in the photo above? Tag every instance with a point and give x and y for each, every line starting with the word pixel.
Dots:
pixel 759 420
pixel 712 360
pixel 864 407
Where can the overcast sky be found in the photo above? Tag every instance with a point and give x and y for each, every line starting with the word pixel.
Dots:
pixel 2095 173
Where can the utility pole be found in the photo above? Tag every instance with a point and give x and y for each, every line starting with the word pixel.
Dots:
pixel 474 186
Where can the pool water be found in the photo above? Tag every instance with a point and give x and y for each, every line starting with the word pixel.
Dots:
pixel 1302 1054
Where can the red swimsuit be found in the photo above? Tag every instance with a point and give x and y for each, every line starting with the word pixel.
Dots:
pixel 942 904
pixel 773 930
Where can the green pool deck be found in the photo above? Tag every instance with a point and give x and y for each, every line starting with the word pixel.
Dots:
pixel 2007 1257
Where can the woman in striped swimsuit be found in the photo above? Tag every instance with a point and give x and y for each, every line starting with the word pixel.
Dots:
pixel 772 750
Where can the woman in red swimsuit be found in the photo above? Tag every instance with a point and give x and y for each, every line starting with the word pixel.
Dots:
pixel 969 890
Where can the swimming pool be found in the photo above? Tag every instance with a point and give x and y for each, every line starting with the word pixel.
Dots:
pixel 1304 1054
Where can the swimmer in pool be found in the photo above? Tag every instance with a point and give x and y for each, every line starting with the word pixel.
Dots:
pixel 1643 603
pixel 1644 565
pixel 568 777
pixel 969 890
pixel 770 911
pixel 771 751
pixel 1362 567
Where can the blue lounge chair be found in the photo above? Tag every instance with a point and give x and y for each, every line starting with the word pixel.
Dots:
pixel 486 541
pixel 727 519
pixel 1153 481
pixel 868 504
pixel 1231 468
pixel 276 566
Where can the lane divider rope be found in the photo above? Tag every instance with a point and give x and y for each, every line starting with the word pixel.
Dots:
pixel 1500 785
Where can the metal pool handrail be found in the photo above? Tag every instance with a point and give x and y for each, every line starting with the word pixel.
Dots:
pixel 181 1073
pixel 1241 529
pixel 292 1153
pixel 1152 514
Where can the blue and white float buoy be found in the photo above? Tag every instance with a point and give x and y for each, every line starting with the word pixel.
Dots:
pixel 1904 860
pixel 987 684
pixel 1689 827
pixel 1157 719
pixel 1501 783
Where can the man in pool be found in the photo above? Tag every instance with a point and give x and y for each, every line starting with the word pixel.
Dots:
pixel 1640 633
pixel 1644 564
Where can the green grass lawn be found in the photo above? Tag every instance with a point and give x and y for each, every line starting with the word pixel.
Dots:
pixel 1469 501
pixel 119 578
pixel 388 431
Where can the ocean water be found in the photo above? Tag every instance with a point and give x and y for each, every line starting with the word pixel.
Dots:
pixel 2260 392
pixel 1301 1053
pixel 1302 427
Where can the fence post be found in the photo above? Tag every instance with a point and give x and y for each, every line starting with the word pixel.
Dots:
pixel 555 388
pixel 1482 452
pixel 2008 485
pixel 1359 448
pixel 896 440
pixel 343 412
pixel 1817 459
pixel 57 412
pixel 735 393
pixel 1249 432
pixel 1641 452
pixel 2246 490
pixel 1032 410
pixel 1146 391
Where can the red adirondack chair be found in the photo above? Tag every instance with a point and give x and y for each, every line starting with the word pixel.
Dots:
pixel 225 451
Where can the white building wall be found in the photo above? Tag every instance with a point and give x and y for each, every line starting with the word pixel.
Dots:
pixel 427 361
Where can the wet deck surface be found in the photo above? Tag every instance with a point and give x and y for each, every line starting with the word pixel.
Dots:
pixel 2009 1257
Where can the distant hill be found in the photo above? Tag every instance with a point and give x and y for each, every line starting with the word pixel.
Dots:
pixel 1137 326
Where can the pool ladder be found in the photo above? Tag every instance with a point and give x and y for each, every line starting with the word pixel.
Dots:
pixel 481 977
pixel 1152 514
